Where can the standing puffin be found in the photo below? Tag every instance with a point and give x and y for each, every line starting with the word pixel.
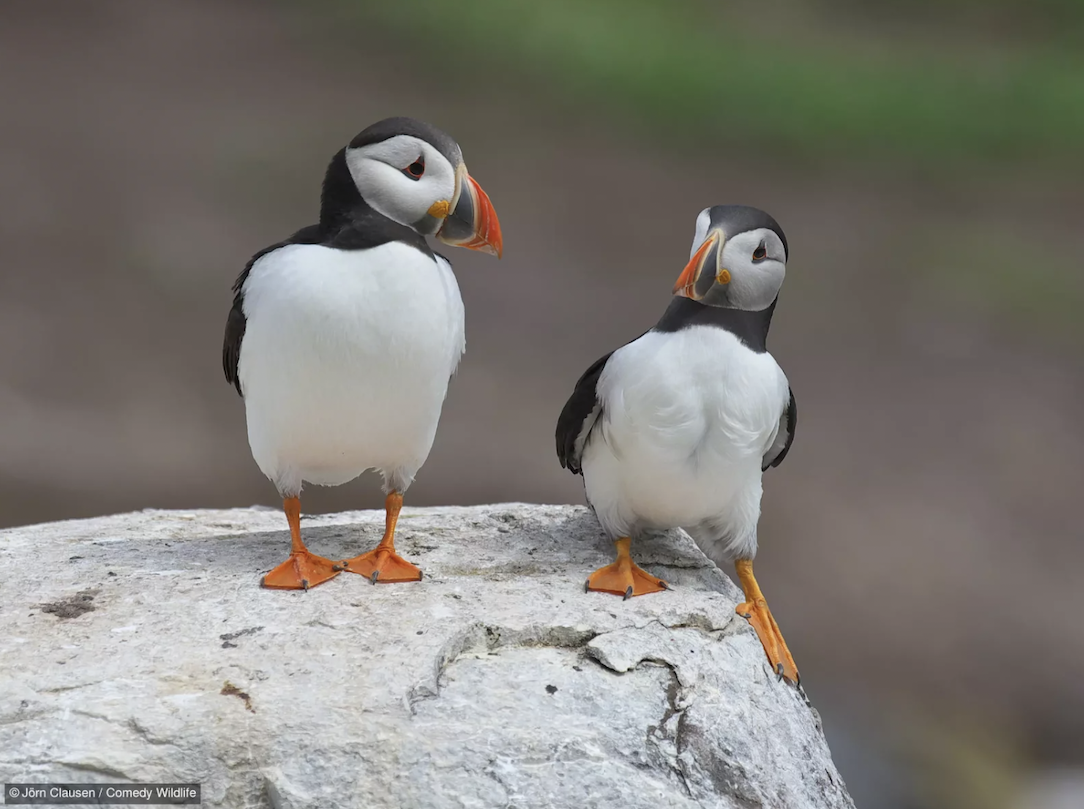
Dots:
pixel 676 428
pixel 342 339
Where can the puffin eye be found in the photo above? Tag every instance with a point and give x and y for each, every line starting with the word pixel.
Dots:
pixel 416 169
pixel 760 253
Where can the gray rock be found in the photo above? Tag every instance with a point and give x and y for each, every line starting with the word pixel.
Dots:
pixel 140 647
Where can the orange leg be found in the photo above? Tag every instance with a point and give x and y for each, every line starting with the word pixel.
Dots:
pixel 303 569
pixel 624 577
pixel 756 610
pixel 383 563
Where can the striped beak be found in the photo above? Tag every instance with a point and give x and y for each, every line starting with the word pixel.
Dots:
pixel 472 222
pixel 704 268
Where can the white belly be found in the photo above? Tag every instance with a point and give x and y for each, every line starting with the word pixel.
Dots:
pixel 687 418
pixel 345 361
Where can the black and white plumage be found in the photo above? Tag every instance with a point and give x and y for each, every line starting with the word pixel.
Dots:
pixel 342 338
pixel 676 428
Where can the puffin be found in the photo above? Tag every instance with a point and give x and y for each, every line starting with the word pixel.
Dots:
pixel 676 428
pixel 342 338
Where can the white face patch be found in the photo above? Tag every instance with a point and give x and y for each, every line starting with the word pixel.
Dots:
pixel 754 283
pixel 377 170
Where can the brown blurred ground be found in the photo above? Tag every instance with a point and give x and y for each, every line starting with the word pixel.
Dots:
pixel 922 545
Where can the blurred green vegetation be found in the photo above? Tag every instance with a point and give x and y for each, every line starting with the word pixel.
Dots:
pixel 925 83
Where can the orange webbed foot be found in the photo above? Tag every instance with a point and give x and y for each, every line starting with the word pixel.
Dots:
pixel 383 565
pixel 755 610
pixel 760 618
pixel 301 571
pixel 625 581
pixel 624 577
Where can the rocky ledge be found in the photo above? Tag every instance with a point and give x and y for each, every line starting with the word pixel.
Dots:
pixel 140 647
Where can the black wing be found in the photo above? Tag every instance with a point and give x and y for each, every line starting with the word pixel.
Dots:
pixel 231 346
pixel 785 437
pixel 579 416
pixel 235 321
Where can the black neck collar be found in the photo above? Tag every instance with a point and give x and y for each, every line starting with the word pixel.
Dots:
pixel 749 327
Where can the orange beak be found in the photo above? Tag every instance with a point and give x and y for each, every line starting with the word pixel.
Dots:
pixel 472 222
pixel 702 267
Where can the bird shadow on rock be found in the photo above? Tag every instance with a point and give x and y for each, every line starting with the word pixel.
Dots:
pixel 672 555
pixel 253 552
pixel 498 542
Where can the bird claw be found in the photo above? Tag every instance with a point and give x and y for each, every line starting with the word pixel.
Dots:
pixel 628 593
pixel 375 576
pixel 338 568
pixel 304 584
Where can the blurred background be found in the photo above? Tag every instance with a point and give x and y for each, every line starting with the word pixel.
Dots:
pixel 923 545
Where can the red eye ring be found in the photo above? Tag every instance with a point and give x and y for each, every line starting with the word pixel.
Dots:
pixel 760 253
pixel 416 169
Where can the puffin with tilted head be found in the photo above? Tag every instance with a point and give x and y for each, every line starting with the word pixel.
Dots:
pixel 676 428
pixel 342 338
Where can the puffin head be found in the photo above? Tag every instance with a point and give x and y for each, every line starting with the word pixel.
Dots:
pixel 738 259
pixel 413 174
